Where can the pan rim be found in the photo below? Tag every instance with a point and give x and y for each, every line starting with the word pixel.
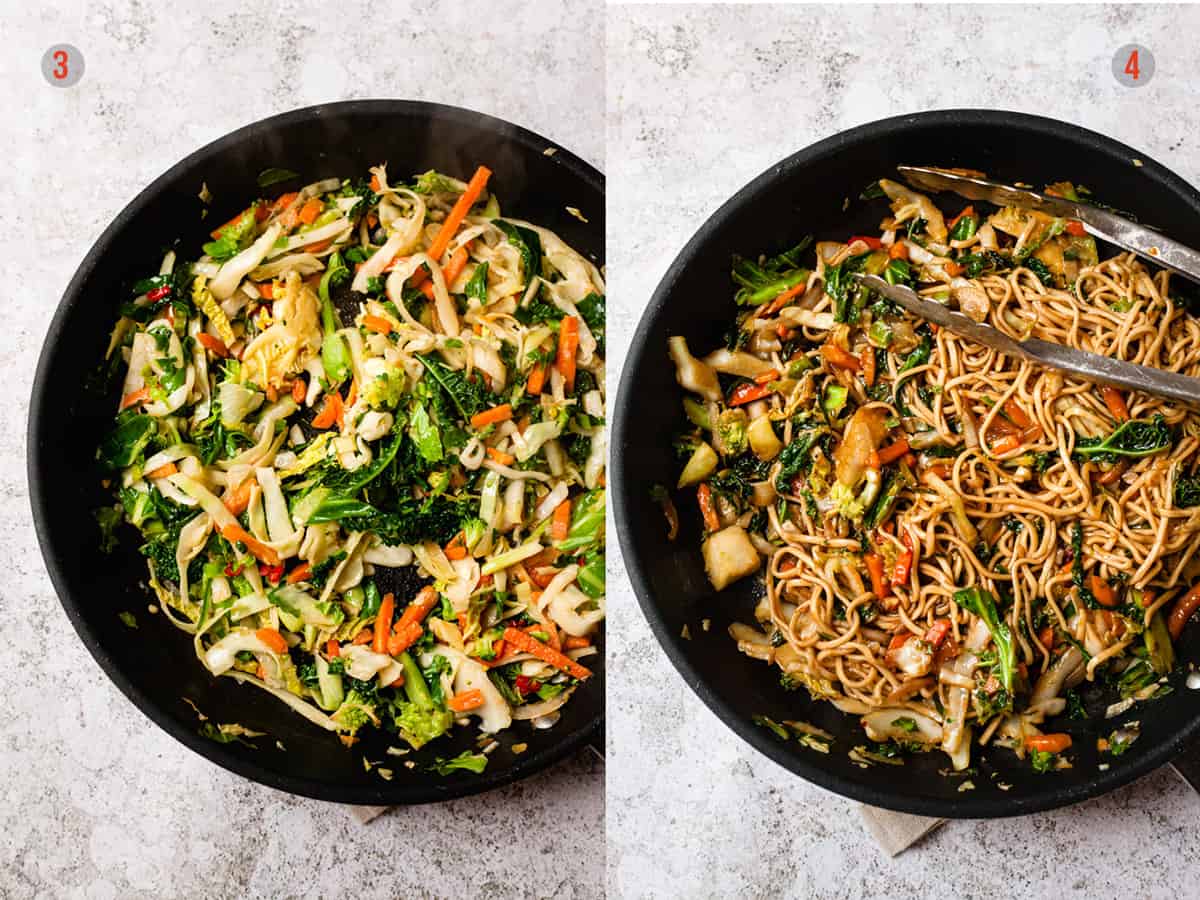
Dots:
pixel 386 793
pixel 973 807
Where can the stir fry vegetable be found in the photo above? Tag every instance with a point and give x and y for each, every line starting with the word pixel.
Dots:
pixel 362 440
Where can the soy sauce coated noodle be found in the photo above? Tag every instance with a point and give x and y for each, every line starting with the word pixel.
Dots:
pixel 881 606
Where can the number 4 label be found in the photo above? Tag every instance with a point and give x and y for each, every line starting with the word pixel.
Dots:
pixel 1133 65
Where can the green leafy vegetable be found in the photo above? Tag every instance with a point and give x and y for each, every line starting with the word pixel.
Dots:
pixel 233 238
pixel 981 603
pixel 760 283
pixel 123 446
pixel 587 523
pixel 268 177
pixel 528 244
pixel 464 762
pixel 1133 438
pixel 477 285
pixel 469 397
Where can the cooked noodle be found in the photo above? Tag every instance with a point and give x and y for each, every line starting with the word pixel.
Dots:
pixel 997 435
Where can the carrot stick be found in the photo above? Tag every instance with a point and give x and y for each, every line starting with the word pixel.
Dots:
pixel 505 459
pixel 707 510
pixel 867 361
pixel 1182 611
pixel 769 309
pixel 576 643
pixel 378 324
pixel 523 642
pixel 163 471
pixel 365 636
pixel 898 250
pixel 466 701
pixel 1115 401
pixel 1006 444
pixel 299 389
pixel 501 413
pixel 536 380
pixel 836 356
pixel 309 212
pixel 1048 743
pixel 568 344
pixel 383 623
pixel 967 211
pixel 421 606
pixel 272 639
pixel 238 499
pixel 213 345
pixel 302 572
pixel 333 649
pixel 1016 415
pixel 403 639
pixel 875 569
pixel 456 549
pixel 767 377
pixel 561 523
pixel 134 397
pixel 893 452
pixel 375 185
pixel 330 412
pixel 462 206
pixel 319 246
pixel 257 548
pixel 1102 591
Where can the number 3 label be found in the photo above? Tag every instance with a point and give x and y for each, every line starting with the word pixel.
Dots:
pixel 1133 65
pixel 62 65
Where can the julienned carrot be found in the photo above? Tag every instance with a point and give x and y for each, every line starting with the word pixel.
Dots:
pixel 299 390
pixel 302 572
pixel 1048 743
pixel 213 345
pixel 875 570
pixel 525 643
pixel 953 269
pixel 260 551
pixel 466 701
pixel 769 309
pixel 383 623
pixel 1006 444
pixel 501 413
pixel 560 525
pixel 310 210
pixel 365 636
pixel 707 510
pixel 378 324
pixel 272 639
pixel 570 642
pixel 505 459
pixel 767 377
pixel 403 638
pixel 238 499
pixel 163 471
pixel 330 412
pixel 1102 591
pixel 536 380
pixel 266 290
pixel 967 211
pixel 568 344
pixel 904 561
pixel 893 452
pixel 1115 401
pixel 421 606
pixel 836 356
pixel 134 397
pixel 898 250
pixel 333 649
pixel 375 185
pixel 867 360
pixel 1016 415
pixel 462 206
pixel 319 246
pixel 450 271
pixel 1182 611
pixel 456 549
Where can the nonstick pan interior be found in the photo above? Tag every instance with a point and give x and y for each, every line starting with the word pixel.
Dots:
pixel 816 192
pixel 155 665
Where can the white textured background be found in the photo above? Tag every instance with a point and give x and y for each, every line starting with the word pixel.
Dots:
pixel 99 803
pixel 702 99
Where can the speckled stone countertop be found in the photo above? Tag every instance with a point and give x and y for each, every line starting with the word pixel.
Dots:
pixel 98 802
pixel 701 100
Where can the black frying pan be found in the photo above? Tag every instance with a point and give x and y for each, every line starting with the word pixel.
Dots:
pixel 805 194
pixel 154 665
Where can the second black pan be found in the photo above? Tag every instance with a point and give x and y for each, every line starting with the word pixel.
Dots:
pixel 155 665
pixel 807 193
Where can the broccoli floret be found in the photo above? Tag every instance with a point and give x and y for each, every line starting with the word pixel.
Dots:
pixel 419 719
pixel 355 712
pixel 731 432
